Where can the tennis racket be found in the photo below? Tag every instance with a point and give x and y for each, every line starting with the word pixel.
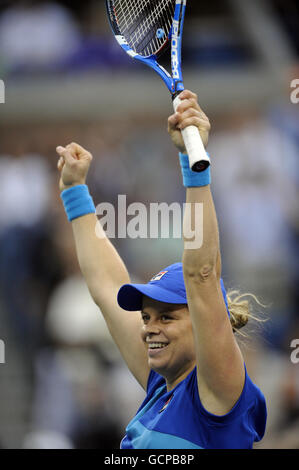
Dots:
pixel 144 29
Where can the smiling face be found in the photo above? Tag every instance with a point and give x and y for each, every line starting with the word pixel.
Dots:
pixel 168 335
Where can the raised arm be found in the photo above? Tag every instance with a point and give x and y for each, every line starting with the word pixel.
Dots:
pixel 102 267
pixel 220 370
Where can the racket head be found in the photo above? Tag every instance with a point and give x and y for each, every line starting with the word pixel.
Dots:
pixel 145 25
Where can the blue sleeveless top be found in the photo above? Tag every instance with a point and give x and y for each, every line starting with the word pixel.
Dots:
pixel 178 420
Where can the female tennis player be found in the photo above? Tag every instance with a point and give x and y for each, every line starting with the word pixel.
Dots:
pixel 178 337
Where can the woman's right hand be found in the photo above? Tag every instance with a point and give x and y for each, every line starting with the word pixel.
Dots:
pixel 73 164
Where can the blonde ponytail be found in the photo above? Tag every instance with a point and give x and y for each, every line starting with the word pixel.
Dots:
pixel 241 307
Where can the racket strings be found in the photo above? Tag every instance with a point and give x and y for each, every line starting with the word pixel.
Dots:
pixel 154 43
pixel 150 26
pixel 139 21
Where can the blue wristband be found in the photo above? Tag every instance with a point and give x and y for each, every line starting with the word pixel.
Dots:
pixel 192 179
pixel 77 202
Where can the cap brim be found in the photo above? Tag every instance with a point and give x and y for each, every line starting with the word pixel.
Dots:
pixel 130 296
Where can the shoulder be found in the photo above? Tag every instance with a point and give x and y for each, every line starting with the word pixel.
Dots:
pixel 250 408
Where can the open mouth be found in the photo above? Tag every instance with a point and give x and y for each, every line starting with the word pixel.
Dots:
pixel 155 347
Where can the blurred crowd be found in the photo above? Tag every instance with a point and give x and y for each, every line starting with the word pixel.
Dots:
pixel 44 36
pixel 80 392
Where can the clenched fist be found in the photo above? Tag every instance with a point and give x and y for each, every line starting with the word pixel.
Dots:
pixel 73 164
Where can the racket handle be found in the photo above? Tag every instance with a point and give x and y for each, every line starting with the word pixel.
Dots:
pixel 198 158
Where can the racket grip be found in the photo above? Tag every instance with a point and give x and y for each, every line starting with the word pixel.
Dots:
pixel 198 158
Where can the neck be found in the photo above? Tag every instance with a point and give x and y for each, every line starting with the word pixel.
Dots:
pixel 172 382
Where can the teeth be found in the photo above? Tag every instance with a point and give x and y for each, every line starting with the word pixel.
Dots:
pixel 157 345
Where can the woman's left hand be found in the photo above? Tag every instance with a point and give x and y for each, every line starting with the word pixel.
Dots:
pixel 188 113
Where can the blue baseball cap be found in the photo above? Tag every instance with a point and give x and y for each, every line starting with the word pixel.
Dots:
pixel 167 286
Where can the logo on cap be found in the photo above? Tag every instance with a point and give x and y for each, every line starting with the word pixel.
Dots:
pixel 158 276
